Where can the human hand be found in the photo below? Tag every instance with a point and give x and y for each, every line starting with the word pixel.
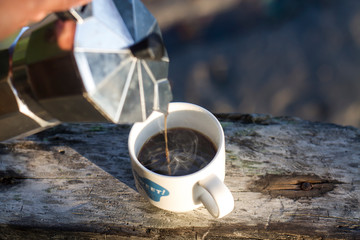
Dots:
pixel 15 14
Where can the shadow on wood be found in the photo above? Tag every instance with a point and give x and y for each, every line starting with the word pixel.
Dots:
pixel 290 179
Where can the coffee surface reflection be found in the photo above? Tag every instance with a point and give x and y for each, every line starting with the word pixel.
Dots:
pixel 189 151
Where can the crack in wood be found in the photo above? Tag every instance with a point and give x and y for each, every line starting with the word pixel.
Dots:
pixel 10 178
pixel 293 186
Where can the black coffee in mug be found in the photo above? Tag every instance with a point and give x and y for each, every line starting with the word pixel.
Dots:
pixel 189 151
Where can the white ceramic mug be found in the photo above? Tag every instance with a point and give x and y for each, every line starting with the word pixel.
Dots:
pixel 183 193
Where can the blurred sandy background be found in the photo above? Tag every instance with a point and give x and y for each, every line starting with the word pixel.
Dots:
pixel 280 57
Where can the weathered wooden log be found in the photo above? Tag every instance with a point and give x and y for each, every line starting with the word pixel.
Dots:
pixel 291 179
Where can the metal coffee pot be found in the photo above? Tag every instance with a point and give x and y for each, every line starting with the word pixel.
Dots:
pixel 102 62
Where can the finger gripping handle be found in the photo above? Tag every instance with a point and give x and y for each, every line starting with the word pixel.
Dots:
pixel 215 196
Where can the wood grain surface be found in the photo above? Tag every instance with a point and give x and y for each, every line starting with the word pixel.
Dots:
pixel 290 178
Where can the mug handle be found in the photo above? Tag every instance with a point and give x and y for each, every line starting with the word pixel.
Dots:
pixel 215 196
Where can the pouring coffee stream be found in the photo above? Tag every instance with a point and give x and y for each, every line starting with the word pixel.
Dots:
pixel 106 62
pixel 166 143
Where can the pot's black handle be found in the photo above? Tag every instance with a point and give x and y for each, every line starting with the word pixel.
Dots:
pixel 77 14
